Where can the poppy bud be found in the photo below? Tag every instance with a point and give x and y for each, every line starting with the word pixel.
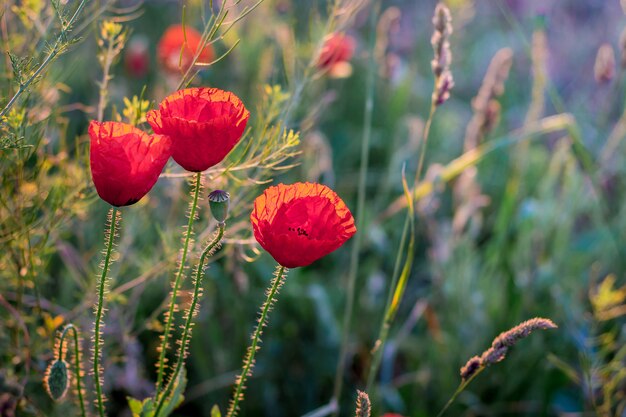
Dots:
pixel 57 379
pixel 219 202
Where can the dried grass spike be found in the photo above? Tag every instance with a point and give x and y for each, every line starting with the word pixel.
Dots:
pixel 439 40
pixel 522 330
pixel 483 120
pixel 470 368
pixel 604 68
pixel 363 405
pixel 501 344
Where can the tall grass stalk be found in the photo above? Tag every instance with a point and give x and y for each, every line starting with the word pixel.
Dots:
pixel 248 363
pixel 442 84
pixel 113 220
pixel 197 185
pixel 399 281
pixel 191 313
pixel 360 209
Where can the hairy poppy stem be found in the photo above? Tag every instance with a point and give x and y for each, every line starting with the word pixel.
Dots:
pixel 97 331
pixel 177 281
pixel 197 293
pixel 248 363
pixel 77 369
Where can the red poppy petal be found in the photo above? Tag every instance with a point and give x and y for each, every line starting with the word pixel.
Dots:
pixel 125 162
pixel 204 124
pixel 300 223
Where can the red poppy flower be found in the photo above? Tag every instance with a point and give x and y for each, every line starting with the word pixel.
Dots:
pixel 204 124
pixel 300 223
pixel 338 48
pixel 125 162
pixel 137 57
pixel 173 41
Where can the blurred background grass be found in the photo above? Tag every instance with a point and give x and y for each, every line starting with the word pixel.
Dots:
pixel 532 231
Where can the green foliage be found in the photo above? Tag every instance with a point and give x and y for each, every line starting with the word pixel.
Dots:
pixel 147 407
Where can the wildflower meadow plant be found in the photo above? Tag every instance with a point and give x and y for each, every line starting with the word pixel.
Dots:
pixel 297 224
pixel 125 165
pixel 204 126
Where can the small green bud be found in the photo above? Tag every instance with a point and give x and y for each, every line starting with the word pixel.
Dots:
pixel 57 379
pixel 219 202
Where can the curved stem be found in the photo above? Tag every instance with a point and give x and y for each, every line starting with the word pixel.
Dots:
pixel 100 312
pixel 184 342
pixel 277 282
pixel 77 370
pixel 177 281
pixel 356 247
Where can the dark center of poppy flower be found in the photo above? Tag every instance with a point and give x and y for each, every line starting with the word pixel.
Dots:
pixel 299 230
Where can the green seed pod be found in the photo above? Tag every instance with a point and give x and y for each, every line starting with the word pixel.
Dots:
pixel 57 379
pixel 219 202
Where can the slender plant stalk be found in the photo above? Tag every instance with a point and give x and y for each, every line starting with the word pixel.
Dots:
pixel 383 332
pixel 178 281
pixel 97 332
pixel 460 389
pixel 356 247
pixel 104 84
pixel 248 363
pixel 429 122
pixel 186 337
pixel 77 369
pixel 53 53
pixel 396 292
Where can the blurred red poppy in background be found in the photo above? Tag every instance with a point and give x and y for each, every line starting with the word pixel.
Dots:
pixel 125 161
pixel 336 53
pixel 137 56
pixel 204 124
pixel 301 223
pixel 176 39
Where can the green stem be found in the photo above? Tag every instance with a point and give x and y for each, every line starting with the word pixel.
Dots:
pixel 460 389
pixel 356 247
pixel 184 342
pixel 100 312
pixel 77 370
pixel 386 324
pixel 390 307
pixel 248 363
pixel 178 281
pixel 429 121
